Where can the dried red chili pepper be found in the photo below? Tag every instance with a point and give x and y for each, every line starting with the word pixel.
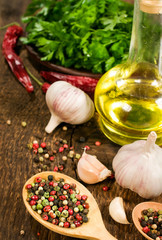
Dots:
pixel 9 43
pixel 86 84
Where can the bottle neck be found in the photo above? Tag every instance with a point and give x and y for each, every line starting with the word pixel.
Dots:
pixel 146 40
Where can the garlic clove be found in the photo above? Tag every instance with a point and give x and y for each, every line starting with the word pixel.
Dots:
pixel 52 124
pixel 91 170
pixel 117 212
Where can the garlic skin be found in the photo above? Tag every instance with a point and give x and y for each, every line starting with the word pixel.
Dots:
pixel 90 170
pixel 138 166
pixel 117 212
pixel 67 104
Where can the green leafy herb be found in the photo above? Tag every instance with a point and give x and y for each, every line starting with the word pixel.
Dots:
pixel 83 34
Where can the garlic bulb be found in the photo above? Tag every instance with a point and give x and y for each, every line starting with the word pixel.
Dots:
pixel 117 212
pixel 67 104
pixel 91 170
pixel 138 166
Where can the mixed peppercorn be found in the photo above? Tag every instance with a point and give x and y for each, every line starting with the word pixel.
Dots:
pixel 151 222
pixel 58 202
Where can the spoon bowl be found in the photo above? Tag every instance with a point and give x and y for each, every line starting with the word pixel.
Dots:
pixel 93 229
pixel 136 214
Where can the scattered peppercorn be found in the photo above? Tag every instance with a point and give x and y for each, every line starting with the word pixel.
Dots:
pixel 105 188
pixel 23 124
pixel 55 205
pixel 97 143
pixel 8 122
pixel 151 223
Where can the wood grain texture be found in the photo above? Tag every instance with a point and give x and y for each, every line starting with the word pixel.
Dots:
pixel 16 161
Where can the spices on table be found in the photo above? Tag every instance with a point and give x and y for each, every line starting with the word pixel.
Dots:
pixel 9 43
pixel 151 223
pixel 57 202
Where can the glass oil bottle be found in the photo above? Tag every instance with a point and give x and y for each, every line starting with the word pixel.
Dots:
pixel 128 97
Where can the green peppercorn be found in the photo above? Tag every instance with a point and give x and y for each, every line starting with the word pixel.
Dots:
pixel 23 124
pixel 39 206
pixel 81 208
pixel 72 196
pixel 58 213
pixel 160 212
pixel 34 207
pixel 65 213
pixel 33 184
pixel 150 210
pixel 45 202
pixel 54 208
pixel 74 200
pixel 46 194
pixel 57 188
pixel 146 218
pixel 40 150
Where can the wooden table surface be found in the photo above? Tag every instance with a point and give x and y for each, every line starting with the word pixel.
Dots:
pixel 17 161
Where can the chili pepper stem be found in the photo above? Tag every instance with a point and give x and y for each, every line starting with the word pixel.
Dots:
pixel 33 77
pixel 10 24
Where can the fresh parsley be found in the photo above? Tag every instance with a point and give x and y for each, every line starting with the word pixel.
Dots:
pixel 83 34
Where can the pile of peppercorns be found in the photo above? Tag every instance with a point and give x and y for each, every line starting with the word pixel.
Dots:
pixel 58 202
pixel 45 157
pixel 151 222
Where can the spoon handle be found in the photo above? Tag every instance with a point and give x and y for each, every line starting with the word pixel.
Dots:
pixel 104 234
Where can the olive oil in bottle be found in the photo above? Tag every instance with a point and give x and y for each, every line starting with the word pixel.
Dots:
pixel 128 97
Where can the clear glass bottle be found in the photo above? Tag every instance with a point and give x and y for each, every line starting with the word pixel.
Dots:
pixel 128 97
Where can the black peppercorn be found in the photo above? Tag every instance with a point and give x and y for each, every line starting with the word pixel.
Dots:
pixel 143 224
pixel 50 177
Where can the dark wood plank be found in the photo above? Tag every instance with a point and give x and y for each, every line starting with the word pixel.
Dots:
pixel 16 160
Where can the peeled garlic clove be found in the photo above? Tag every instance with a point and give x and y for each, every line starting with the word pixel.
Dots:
pixel 68 104
pixel 91 170
pixel 117 212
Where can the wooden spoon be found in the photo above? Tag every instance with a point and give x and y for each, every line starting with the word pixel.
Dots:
pixel 93 229
pixel 136 214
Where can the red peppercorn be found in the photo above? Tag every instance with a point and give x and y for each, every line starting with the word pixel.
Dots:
pixel 87 147
pixel 77 223
pixel 78 217
pixel 35 151
pixel 62 197
pixel 61 149
pixel 52 158
pixel 97 143
pixel 66 186
pixel 61 167
pixel 86 205
pixel 52 215
pixel 70 191
pixel 32 202
pixel 38 233
pixel 42 184
pixel 55 221
pixel 105 188
pixel 84 197
pixel 34 197
pixel 60 209
pixel 51 183
pixel 51 199
pixel 146 229
pixel 55 184
pixel 72 147
pixel 112 176
pixel 28 186
pixel 55 169
pixel 66 207
pixel 35 146
pixel 78 197
pixel 70 211
pixel 53 193
pixel 43 145
pixel 38 179
pixel 45 217
pixel 47 208
pixel 66 224
pixel 65 146
pixel 77 203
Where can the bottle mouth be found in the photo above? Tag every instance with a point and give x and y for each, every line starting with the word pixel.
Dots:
pixel 151 6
